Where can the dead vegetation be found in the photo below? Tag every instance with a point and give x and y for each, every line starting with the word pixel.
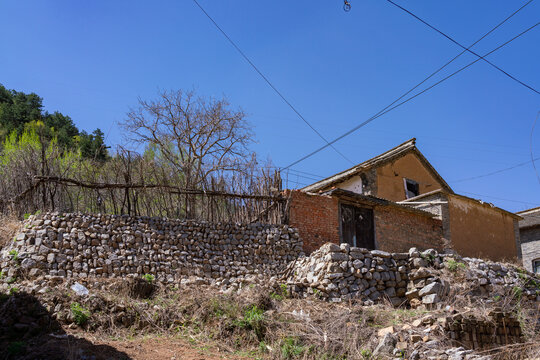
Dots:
pixel 9 226
pixel 263 323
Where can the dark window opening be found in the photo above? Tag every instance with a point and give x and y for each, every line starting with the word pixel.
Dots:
pixel 357 226
pixel 536 266
pixel 411 188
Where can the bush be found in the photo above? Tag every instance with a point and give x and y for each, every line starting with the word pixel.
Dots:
pixel 80 314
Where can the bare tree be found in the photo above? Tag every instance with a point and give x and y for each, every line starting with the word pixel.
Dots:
pixel 202 138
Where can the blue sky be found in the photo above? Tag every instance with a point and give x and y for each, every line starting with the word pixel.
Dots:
pixel 92 60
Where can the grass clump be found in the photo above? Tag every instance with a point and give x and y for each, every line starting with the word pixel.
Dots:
pixel 80 314
pixel 14 255
pixel 253 319
pixel 280 294
pixel 454 265
pixel 291 348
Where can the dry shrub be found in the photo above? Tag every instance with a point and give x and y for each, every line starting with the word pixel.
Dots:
pixel 9 226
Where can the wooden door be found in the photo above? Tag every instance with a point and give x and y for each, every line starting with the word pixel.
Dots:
pixel 357 226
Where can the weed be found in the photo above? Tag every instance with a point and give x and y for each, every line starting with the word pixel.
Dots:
pixel 263 347
pixel 428 257
pixel 27 216
pixel 13 290
pixel 80 314
pixel 497 298
pixel 517 291
pixel 2 275
pixel 149 278
pixel 291 348
pixel 454 265
pixel 254 320
pixel 365 353
pixel 281 294
pixel 222 308
pixel 14 255
pixel 11 280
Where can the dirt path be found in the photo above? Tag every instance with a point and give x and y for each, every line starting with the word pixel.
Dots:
pixel 85 346
pixel 166 348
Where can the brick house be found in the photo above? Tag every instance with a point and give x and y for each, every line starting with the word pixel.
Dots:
pixel 529 230
pixel 398 200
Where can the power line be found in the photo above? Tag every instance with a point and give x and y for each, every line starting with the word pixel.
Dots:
pixel 531 149
pixel 463 47
pixel 498 198
pixel 495 172
pixel 268 81
pixel 379 114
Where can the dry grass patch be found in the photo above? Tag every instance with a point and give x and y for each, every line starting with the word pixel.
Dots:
pixel 9 226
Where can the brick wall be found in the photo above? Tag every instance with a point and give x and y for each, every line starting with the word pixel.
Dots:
pixel 316 217
pixel 398 230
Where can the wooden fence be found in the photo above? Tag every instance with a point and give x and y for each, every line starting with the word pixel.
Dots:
pixel 52 193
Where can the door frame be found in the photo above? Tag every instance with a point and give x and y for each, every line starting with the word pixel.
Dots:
pixel 358 205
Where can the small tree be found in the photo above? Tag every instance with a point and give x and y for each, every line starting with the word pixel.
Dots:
pixel 202 138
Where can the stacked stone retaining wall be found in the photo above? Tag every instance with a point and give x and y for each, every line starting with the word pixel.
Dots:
pixel 81 246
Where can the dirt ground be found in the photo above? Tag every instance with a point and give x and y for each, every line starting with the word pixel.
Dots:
pixel 75 346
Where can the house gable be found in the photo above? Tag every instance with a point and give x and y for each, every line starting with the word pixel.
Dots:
pixel 391 177
pixel 384 175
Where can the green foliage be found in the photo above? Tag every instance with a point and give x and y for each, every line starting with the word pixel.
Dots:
pixel 20 112
pixel 517 292
pixel 14 255
pixel 454 265
pixel 80 314
pixel 291 348
pixel 253 319
pixel 366 354
pixel 13 290
pixel 92 146
pixel 149 278
pixel 2 275
pixel 16 348
pixel 280 294
pixel 11 280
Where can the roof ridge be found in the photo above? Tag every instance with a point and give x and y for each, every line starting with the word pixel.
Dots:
pixel 396 150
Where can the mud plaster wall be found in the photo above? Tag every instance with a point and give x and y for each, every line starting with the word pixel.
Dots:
pixel 390 178
pixel 481 231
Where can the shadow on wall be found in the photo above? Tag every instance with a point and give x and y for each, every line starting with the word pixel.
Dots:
pixel 28 331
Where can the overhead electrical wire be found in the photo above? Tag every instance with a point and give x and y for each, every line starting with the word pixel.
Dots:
pixel 531 147
pixel 495 172
pixel 499 198
pixel 388 109
pixel 268 81
pixel 466 48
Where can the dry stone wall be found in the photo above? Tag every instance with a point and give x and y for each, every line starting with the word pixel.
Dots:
pixel 415 278
pixel 80 246
pixel 473 333
pixel 342 272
